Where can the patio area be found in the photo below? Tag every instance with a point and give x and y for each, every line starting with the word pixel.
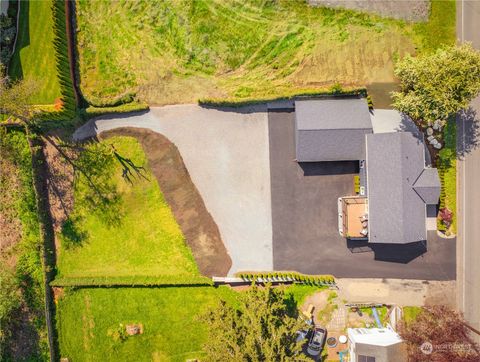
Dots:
pixel 354 216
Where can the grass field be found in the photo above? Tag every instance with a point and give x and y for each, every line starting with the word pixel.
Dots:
pixel 146 242
pixel 170 318
pixel 34 57
pixel 180 51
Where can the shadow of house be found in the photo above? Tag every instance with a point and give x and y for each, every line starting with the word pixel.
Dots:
pixel 329 168
pixel 15 69
pixel 403 253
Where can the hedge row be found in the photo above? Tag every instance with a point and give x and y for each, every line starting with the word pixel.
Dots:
pixel 287 277
pixel 60 44
pixel 128 97
pixel 239 102
pixel 92 112
pixel 130 281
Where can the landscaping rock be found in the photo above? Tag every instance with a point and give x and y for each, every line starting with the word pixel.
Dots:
pixel 429 131
pixel 133 329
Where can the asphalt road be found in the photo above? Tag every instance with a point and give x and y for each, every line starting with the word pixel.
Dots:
pixel 468 190
pixel 305 226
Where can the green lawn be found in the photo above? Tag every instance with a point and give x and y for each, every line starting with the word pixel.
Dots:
pixel 180 51
pixel 146 242
pixel 410 313
pixel 172 329
pixel 34 57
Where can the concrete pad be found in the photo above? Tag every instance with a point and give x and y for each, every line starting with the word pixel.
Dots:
pixel 402 292
pixel 390 120
pixel 226 152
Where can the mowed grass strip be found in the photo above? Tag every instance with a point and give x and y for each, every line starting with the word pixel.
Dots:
pixel 172 328
pixel 34 57
pixel 181 51
pixel 146 242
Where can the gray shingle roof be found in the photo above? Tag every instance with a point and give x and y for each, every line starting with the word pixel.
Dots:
pixel 331 129
pixel 428 186
pixel 396 212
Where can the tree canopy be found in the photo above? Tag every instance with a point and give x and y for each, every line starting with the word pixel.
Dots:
pixel 445 331
pixel 263 328
pixel 438 85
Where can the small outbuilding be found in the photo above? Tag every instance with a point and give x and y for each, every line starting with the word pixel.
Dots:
pixel 331 129
pixel 375 345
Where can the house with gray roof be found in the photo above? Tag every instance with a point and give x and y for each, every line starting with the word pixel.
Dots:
pixel 399 185
pixel 399 188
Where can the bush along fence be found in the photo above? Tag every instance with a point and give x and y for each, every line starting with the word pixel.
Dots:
pixel 335 90
pixel 131 281
pixel 287 277
pixel 66 108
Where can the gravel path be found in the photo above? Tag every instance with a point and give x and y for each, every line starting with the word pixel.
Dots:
pixel 226 153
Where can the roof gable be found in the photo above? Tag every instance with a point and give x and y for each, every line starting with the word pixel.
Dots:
pixel 396 212
pixel 428 186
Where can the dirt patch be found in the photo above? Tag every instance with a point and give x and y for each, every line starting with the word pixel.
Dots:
pixel 60 186
pixel 200 230
pixel 410 10
pixel 24 341
pixel 10 226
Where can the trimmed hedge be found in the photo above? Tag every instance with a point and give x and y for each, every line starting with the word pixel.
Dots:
pixel 60 45
pixel 287 277
pixel 128 97
pixel 92 112
pixel 239 102
pixel 134 281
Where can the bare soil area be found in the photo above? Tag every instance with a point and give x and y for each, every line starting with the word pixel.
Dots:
pixel 200 230
pixel 410 10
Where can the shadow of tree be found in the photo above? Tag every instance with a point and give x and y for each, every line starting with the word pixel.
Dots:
pixel 291 305
pixel 72 235
pixel 130 171
pixel 468 132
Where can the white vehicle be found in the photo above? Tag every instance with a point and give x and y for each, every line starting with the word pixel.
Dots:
pixel 317 341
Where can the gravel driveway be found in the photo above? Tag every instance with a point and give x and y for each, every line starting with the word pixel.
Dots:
pixel 226 153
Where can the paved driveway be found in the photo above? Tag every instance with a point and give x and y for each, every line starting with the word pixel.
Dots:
pixel 304 221
pixel 227 156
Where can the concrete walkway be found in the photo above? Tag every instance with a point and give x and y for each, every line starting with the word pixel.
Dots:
pixel 403 292
pixel 226 153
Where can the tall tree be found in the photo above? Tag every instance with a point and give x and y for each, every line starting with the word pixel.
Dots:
pixel 439 334
pixel 438 85
pixel 263 328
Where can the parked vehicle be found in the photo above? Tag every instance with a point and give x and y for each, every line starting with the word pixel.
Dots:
pixel 317 340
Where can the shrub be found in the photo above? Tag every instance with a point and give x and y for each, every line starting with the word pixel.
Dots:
pixel 128 97
pixel 92 112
